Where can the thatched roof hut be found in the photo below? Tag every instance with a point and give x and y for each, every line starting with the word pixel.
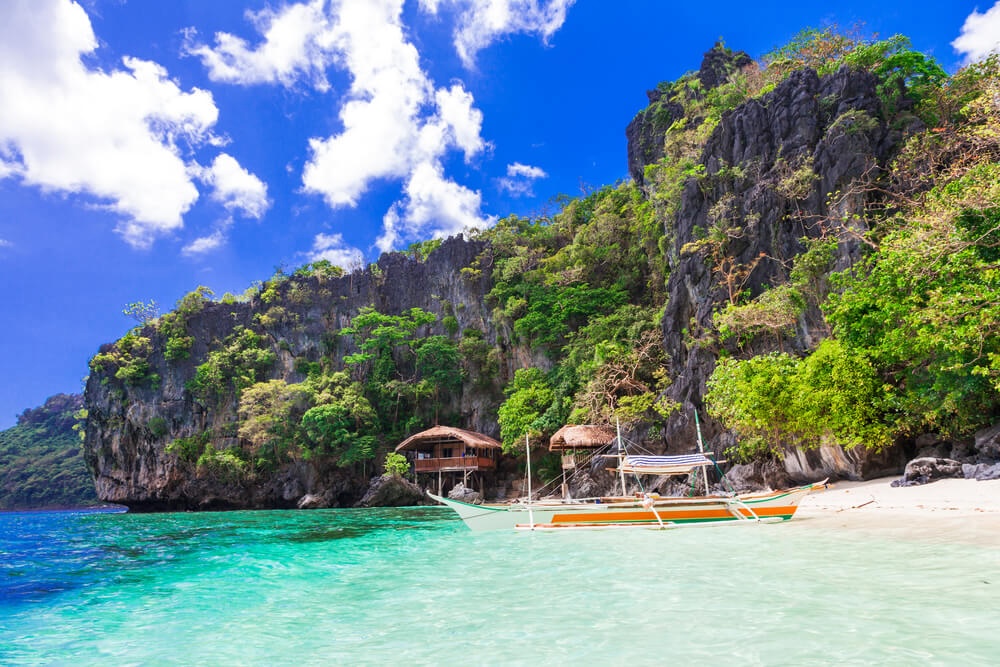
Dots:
pixel 435 437
pixel 585 436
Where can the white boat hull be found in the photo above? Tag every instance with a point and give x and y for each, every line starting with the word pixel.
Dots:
pixel 632 512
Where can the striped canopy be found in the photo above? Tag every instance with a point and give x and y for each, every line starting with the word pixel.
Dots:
pixel 664 465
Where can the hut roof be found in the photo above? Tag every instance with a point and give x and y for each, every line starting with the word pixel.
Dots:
pixel 446 434
pixel 586 436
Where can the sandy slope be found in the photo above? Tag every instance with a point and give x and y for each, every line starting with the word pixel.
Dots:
pixel 953 509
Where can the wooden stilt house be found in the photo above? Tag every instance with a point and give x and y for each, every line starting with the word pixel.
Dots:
pixel 450 452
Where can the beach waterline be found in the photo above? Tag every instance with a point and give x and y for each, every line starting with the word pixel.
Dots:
pixel 414 585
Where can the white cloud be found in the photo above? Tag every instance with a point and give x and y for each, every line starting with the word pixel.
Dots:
pixel 112 135
pixel 297 43
pixel 205 244
pixel 4 243
pixel 236 188
pixel 520 179
pixel 482 22
pixel 396 124
pixel 980 34
pixel 434 206
pixel 331 247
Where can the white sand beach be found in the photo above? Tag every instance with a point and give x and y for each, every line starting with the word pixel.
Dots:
pixel 962 510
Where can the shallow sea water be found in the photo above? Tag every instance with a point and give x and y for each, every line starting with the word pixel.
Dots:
pixel 414 586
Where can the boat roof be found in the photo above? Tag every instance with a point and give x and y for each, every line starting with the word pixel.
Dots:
pixel 664 465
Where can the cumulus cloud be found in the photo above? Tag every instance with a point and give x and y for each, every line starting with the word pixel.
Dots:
pixel 482 22
pixel 980 35
pixel 297 44
pixel 396 124
pixel 110 134
pixel 520 179
pixel 332 248
pixel 235 188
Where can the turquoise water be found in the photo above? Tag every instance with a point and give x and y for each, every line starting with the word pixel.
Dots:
pixel 414 586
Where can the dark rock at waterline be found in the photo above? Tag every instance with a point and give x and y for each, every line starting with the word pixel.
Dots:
pixel 929 469
pixel 463 494
pixel 392 491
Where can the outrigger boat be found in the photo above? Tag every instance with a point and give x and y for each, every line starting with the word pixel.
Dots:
pixel 647 510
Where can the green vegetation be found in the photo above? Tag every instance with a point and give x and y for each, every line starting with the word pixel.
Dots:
pixel 911 335
pixel 915 345
pixel 396 465
pixel 41 462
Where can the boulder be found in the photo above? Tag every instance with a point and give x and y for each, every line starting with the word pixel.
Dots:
pixel 463 494
pixel 988 444
pixel 981 471
pixel 391 491
pixel 929 469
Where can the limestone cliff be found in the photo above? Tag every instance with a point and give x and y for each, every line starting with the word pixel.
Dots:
pixel 130 425
pixel 826 134
pixel 772 174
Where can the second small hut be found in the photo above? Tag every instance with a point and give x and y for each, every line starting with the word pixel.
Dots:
pixel 577 444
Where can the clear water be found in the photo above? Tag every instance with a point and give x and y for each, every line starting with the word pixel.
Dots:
pixel 414 586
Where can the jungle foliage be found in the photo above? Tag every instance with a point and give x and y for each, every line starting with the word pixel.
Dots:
pixel 41 461
pixel 915 343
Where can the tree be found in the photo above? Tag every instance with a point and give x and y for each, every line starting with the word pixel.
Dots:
pixel 396 465
pixel 142 312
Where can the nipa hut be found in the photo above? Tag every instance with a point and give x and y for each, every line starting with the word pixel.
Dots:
pixel 448 451
pixel 577 444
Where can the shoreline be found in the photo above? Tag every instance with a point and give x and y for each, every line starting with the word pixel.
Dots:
pixel 959 510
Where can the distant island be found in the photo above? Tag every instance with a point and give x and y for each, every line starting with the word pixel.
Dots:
pixel 41 458
pixel 806 255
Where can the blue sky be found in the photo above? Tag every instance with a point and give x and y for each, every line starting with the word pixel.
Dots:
pixel 150 147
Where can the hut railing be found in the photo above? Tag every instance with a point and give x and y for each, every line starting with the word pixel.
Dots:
pixel 453 463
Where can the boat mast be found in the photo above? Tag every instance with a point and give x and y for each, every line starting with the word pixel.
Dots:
pixel 527 451
pixel 701 449
pixel 621 453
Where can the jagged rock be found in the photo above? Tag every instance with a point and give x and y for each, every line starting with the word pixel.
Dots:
pixel 922 471
pixel 129 458
pixel 647 130
pixel 718 63
pixel 466 495
pixel 987 447
pixel 981 471
pixel 835 462
pixel 832 123
pixel 311 501
pixel 932 445
pixel 391 491
pixel 757 476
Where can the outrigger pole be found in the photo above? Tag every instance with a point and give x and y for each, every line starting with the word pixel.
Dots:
pixel 701 450
pixel 527 451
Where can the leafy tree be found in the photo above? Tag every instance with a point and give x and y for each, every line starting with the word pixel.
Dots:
pixel 529 396
pixel 396 465
pixel 142 312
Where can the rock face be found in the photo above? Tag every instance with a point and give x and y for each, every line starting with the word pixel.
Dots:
pixel 129 427
pixel 648 129
pixel 827 128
